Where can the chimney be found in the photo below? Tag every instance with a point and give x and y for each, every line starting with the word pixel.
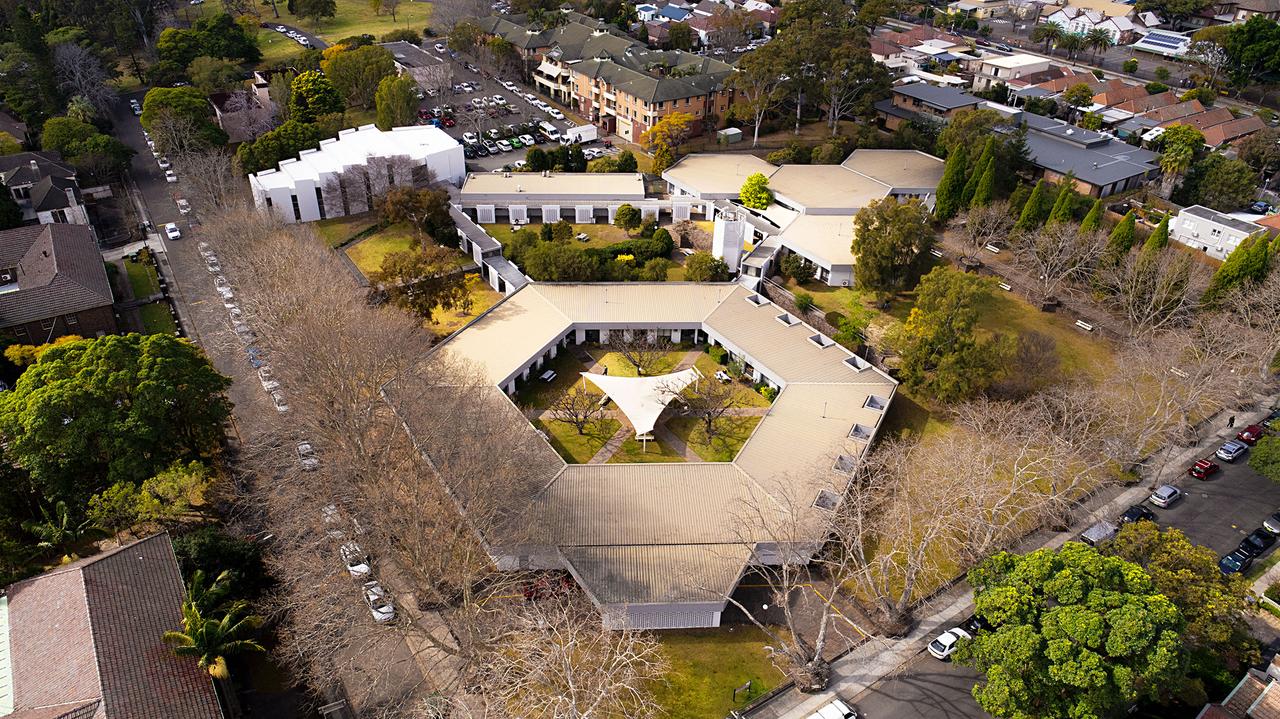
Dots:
pixel 34 166
pixel 71 196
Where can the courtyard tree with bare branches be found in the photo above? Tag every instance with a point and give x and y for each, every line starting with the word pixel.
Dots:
pixel 578 408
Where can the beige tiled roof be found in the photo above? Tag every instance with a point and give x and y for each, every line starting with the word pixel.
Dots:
pixel 825 237
pixel 623 302
pixel 897 169
pixel 717 173
pixel 661 574
pixel 826 187
pixel 491 344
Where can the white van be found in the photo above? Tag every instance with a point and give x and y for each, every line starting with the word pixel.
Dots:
pixel 552 134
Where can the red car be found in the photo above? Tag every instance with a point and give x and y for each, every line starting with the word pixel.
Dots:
pixel 1203 468
pixel 1250 435
pixel 449 122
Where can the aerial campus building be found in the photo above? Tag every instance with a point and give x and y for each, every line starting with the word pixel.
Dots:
pixel 655 545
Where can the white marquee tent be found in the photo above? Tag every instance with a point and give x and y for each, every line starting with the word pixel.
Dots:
pixel 642 399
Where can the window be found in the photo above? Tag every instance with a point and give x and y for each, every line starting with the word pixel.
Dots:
pixel 320 203
pixel 20 331
pixel 71 320
pixel 297 211
pixel 48 324
pixel 1215 232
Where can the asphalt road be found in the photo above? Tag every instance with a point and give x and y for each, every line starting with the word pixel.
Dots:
pixel 925 689
pixel 316 41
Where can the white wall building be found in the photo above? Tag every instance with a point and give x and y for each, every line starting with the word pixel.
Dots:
pixel 991 71
pixel 344 175
pixel 1210 231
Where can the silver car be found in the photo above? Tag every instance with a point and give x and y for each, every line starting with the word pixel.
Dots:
pixel 1165 496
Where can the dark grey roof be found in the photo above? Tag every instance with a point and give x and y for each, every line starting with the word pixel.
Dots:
pixel 50 193
pixel 16 169
pixel 410 55
pixel 1094 158
pixel 1212 215
pixel 946 98
pixel 59 272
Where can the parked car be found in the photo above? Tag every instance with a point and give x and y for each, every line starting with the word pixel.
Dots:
pixel 504 146
pixel 1231 450
pixel 945 643
pixel 491 147
pixel 379 602
pixel 1235 562
pixel 440 47
pixel 307 457
pixel 137 108
pixel 212 265
pixel 1272 523
pixel 245 333
pixel 481 150
pixel 1250 435
pixel 975 624
pixel 528 140
pixel 1272 422
pixel 163 162
pixel 515 143
pixel 171 231
pixel 1258 542
pixel 356 561
pixel 1260 207
pixel 281 29
pixel 1098 533
pixel 1165 496
pixel 169 176
pixel 184 207
pixel 836 709
pixel 1137 513
pixel 1203 468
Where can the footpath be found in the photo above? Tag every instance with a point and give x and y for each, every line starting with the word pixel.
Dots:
pixel 877 659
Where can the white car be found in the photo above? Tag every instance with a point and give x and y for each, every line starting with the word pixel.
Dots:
pixel 480 102
pixel 356 561
pixel 307 457
pixel 236 315
pixel 835 710
pixel 183 206
pixel 498 100
pixel 332 518
pixel 555 113
pixel 212 265
pixel 163 162
pixel 171 231
pixel 945 643
pixel 470 138
pixel 277 398
pixel 379 602
pixel 528 140
pixel 440 47
pixel 226 294
pixel 244 332
pixel 221 281
pixel 169 176
pixel 267 378
pixel 281 28
pixel 1165 496
pixel 504 146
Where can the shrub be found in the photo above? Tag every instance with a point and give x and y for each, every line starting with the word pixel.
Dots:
pixel 717 353
pixel 648 228
pixel 663 236
pixel 798 268
pixel 804 302
pixel 1155 88
pixel 1273 592
pixel 1130 65
pixel 213 550
pixel 768 392
pixel 1265 457
pixel 833 318
pixel 403 34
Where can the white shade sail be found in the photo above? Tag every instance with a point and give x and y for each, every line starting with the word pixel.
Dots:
pixel 642 399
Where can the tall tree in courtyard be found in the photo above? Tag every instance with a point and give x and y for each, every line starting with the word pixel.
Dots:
pixel 396 101
pixel 951 187
pixel 1037 208
pixel 888 238
pixel 355 74
pixel 1093 218
pixel 987 158
pixel 758 85
pixel 424 280
pixel 1120 241
pixel 312 95
pixel 1065 202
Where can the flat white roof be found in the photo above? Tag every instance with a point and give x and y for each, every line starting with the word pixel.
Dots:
pixel 826 187
pixel 717 173
pixel 567 185
pixel 1014 61
pixel 354 147
pixel 825 237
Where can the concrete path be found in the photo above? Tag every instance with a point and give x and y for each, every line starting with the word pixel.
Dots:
pixel 611 447
pixel 669 438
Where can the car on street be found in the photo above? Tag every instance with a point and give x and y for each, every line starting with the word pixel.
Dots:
pixel 945 643
pixel 836 709
pixel 169 176
pixel 379 602
pixel 1257 543
pixel 267 379
pixel 440 47
pixel 356 561
pixel 307 458
pixel 504 146
pixel 245 334
pixel 1260 207
pixel 1250 435
pixel 1231 450
pixel 235 314
pixel 1098 533
pixel 1272 523
pixel 212 265
pixel 136 107
pixel 171 231
pixel 277 398
pixel 1137 513
pixel 221 281
pixel 975 625
pixel 1203 468
pixel 225 293
pixel 1235 562
pixel 281 28
pixel 528 140
pixel 184 207
pixel 1165 496
pixel 163 162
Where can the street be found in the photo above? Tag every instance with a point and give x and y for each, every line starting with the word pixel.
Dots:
pixel 925 689
pixel 1220 511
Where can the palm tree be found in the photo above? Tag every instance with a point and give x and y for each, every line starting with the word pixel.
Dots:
pixel 57 529
pixel 1100 40
pixel 211 641
pixel 1073 43
pixel 1047 32
pixel 209 599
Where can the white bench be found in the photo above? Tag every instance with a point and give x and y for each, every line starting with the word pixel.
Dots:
pixel 936 253
pixel 1084 325
pixel 1006 287
pixel 992 249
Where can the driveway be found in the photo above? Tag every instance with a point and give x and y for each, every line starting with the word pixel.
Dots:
pixel 316 41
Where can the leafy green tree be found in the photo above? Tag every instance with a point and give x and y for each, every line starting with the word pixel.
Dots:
pixel 1159 238
pixel 1076 634
pixel 888 239
pixel 115 508
pixel 663 158
pixel 1179 146
pixel 1065 202
pixel 1036 210
pixel 562 231
pixel 101 157
pixel 755 192
pixel 1219 182
pixel 984 193
pixel 627 217
pixel 57 529
pixel 396 101
pixel 185 104
pixel 178 46
pixel 1092 221
pixel 942 352
pixel 316 10
pixel 356 73
pixel 1078 95
pixel 679 36
pixel 626 162
pixel 9 144
pixel 1248 262
pixel 968 128
pixel 221 36
pixel 311 95
pixel 577 159
pixel 654 270
pixel 1092 121
pixel 798 268
pixel 464 36
pixel 536 159
pixel 951 186
pixel 215 551
pixel 556 262
pixel 277 145
pixel 987 157
pixel 212 74
pixel 63 134
pixel 1120 241
pixel 117 408
pixel 423 280
pixel 1212 604
pixel 1265 457
pixel 705 267
pixel 211 640
pixel 545 234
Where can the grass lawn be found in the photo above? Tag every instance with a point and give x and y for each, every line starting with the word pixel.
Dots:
pixel 747 396
pixel 537 394
pixel 482 298
pixel 633 452
pixel 1078 352
pixel 731 434
pixel 675 273
pixel 156 319
pixel 142 279
pixel 337 230
pixel 275 47
pixel 579 448
pixel 708 664
pixel 620 367
pixel 355 18
pixel 601 235
pixel 369 253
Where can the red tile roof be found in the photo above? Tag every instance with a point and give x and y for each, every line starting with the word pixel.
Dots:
pixel 1143 103
pixel 1173 112
pixel 1203 120
pixel 1118 95
pixel 1232 130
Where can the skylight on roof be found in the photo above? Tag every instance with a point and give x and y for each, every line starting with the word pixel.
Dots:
pixel 861 432
pixel 756 300
pixel 786 319
pixel 856 363
pixel 827 500
pixel 821 340
pixel 876 403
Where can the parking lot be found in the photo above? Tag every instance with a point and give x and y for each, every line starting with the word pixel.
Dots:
pixel 515 109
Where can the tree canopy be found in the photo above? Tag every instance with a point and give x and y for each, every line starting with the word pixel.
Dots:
pixel 1075 634
pixel 888 237
pixel 755 192
pixel 311 96
pixel 396 101
pixel 705 267
pixel 355 74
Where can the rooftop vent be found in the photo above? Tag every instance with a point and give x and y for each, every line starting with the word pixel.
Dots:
pixel 846 464
pixel 787 319
pixel 857 364
pixel 822 341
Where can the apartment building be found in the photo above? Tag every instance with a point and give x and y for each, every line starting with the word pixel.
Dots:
pixel 1212 232
pixel 923 102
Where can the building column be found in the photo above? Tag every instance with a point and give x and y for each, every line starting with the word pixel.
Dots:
pixel 626 335
pixel 524 373
pixel 579 336
pixel 551 353
pixel 651 336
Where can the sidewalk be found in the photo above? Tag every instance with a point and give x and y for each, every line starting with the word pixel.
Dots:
pixel 876 659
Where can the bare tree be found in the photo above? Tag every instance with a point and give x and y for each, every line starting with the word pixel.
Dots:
pixel 642 348
pixel 211 178
pixel 82 73
pixel 708 400
pixel 446 14
pixel 983 224
pixel 578 407
pixel 1057 256
pixel 253 118
pixel 1154 291
pixel 1256 309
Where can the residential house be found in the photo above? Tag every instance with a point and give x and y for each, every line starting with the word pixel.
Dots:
pixel 1241 10
pixel 53 283
pixel 658 33
pixel 646 12
pixel 673 13
pixel 1204 120
pixel 1144 104
pixel 1100 164
pixel 921 102
pixel 1168 113
pixel 45 187
pixel 1232 130
pixel 1082 21
pixel 1212 232
pixel 979 9
pixel 1252 697
pixel 1111 97
pixel 428 70
pixel 995 69
pixel 85 641
pixel 14 127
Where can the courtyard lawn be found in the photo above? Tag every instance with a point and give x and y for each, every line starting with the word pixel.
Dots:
pixel 369 253
pixel 156 319
pixel 746 395
pixel 731 434
pixel 578 448
pixel 142 279
pixel 600 234
pixel 619 366
pixel 338 230
pixel 708 664
pixel 633 451
pixel 536 394
pixel 275 46
pixel 483 297
pixel 1078 352
pixel 355 18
